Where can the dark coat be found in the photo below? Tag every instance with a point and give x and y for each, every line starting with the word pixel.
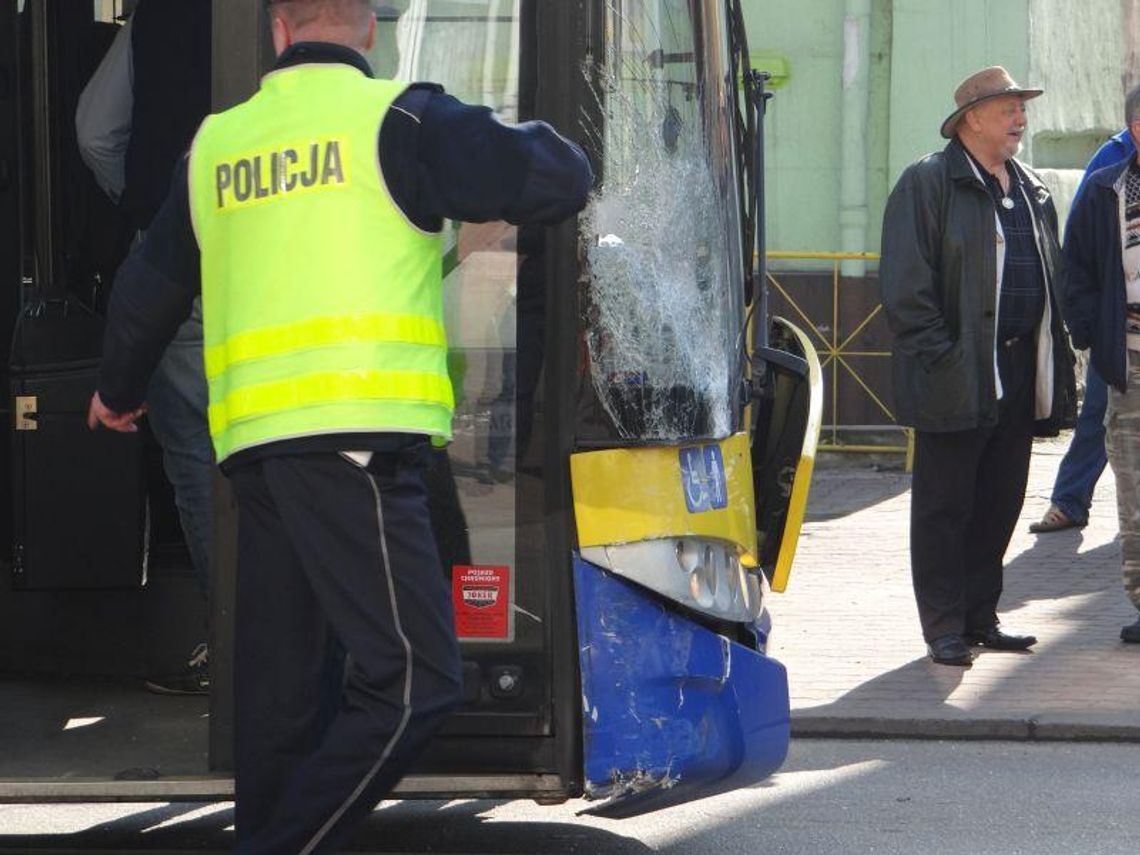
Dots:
pixel 170 54
pixel 940 279
pixel 1094 276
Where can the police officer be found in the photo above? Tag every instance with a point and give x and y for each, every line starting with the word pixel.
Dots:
pixel 309 218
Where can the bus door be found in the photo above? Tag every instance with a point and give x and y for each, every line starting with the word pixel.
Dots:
pixel 113 599
pixel 499 491
pixel 492 488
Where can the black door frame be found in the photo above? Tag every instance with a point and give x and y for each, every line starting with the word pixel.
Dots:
pixel 242 52
pixel 565 34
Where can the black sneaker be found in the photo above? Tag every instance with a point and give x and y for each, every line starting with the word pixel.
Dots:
pixel 1130 633
pixel 194 680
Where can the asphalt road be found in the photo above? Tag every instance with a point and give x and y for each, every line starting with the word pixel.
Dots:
pixel 831 797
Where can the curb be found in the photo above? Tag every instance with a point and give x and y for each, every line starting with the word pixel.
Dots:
pixel 1006 730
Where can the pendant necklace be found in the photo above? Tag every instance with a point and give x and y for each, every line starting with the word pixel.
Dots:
pixel 1006 200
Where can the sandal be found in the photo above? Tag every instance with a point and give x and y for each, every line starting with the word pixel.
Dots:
pixel 1055 520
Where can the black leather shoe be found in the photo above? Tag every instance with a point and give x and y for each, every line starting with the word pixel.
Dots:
pixel 950 650
pixel 1131 634
pixel 995 639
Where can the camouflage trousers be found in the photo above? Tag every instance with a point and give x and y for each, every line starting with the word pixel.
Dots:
pixel 1123 443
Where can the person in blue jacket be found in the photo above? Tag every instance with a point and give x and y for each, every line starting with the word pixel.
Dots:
pixel 1086 458
pixel 1102 308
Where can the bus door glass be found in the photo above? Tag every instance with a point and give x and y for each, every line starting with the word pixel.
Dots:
pixel 486 489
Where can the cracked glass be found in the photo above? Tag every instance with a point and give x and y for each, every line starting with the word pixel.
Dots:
pixel 663 312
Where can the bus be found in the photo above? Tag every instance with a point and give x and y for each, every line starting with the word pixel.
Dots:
pixel 634 433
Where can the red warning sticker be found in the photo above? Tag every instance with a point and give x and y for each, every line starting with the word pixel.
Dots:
pixel 481 596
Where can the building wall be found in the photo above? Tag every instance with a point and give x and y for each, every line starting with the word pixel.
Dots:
pixel 919 52
pixel 803 146
pixel 1083 54
pixel 1130 32
pixel 1077 55
pixel 935 45
pixel 879 125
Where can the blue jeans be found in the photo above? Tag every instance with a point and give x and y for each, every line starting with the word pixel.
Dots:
pixel 1086 458
pixel 177 401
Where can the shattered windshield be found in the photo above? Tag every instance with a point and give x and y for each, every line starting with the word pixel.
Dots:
pixel 664 321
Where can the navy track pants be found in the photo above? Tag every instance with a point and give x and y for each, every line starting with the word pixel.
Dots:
pixel 333 552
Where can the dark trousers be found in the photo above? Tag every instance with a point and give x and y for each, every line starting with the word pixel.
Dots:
pixel 332 550
pixel 966 495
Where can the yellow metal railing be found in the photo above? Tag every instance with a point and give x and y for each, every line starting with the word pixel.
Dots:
pixel 836 352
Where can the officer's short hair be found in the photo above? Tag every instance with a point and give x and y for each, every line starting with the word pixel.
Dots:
pixel 1132 105
pixel 302 13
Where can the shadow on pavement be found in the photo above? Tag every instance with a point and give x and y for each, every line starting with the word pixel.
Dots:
pixel 1026 580
pixel 161 827
pixel 460 827
pixel 398 827
pixel 900 798
pixel 892 694
pixel 840 492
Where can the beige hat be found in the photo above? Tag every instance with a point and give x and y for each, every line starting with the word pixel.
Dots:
pixel 992 82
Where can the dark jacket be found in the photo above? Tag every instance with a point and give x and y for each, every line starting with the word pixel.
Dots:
pixel 170 55
pixel 440 159
pixel 940 280
pixel 1094 275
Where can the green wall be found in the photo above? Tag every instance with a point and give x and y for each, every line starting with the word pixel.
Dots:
pixel 803 155
pixel 938 43
pixel 919 51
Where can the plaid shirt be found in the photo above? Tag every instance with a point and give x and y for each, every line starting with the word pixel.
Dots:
pixel 1023 280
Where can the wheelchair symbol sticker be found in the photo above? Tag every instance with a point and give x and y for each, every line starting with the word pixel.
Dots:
pixel 702 478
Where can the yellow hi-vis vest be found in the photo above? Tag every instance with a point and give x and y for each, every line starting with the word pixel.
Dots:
pixel 321 303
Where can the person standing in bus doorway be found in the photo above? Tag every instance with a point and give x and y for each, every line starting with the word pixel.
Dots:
pixel 1102 306
pixel 1083 463
pixel 135 119
pixel 310 218
pixel 980 359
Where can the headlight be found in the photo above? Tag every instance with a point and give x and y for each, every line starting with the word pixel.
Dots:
pixel 702 574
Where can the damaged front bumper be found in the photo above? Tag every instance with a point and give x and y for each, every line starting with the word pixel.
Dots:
pixel 667 704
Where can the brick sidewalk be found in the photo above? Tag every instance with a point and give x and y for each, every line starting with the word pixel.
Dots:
pixel 847 628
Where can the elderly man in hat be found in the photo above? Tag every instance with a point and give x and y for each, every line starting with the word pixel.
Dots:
pixel 980 360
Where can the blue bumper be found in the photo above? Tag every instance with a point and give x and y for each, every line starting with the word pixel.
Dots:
pixel 666 703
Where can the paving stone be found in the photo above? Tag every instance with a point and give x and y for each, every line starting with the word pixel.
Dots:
pixel 847 627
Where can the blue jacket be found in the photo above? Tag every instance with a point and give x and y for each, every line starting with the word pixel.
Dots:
pixel 1094 271
pixel 1115 149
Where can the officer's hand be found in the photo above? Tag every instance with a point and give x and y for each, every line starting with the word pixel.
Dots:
pixel 99 414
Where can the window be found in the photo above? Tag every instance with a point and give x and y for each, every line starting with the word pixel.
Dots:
pixel 471 48
pixel 664 325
